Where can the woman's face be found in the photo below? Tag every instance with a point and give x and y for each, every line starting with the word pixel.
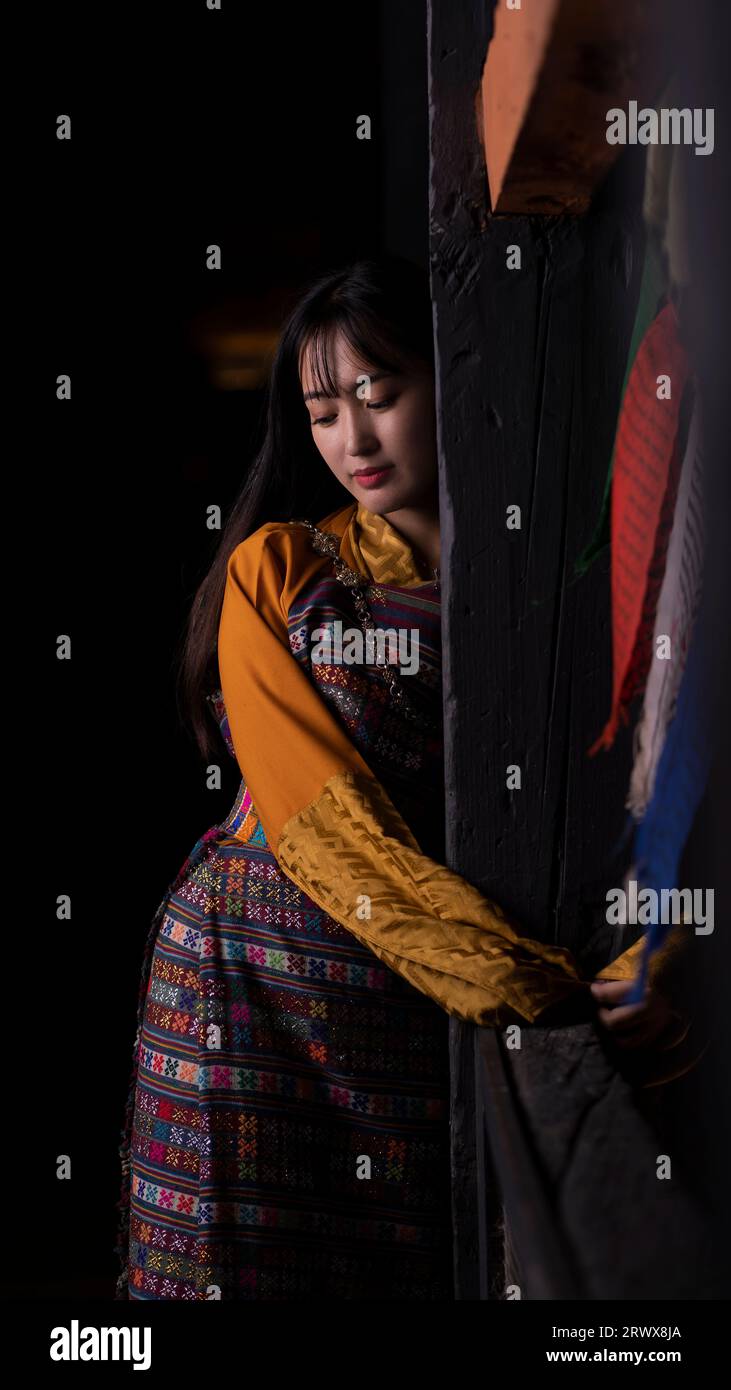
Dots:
pixel 378 436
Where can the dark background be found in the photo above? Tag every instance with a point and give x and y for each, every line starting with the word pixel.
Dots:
pixel 188 127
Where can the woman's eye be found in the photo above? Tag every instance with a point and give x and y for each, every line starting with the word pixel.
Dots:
pixel 372 405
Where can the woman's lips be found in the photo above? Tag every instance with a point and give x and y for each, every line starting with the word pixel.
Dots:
pixel 373 477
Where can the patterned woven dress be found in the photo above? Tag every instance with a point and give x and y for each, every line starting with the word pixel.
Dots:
pixel 287 1126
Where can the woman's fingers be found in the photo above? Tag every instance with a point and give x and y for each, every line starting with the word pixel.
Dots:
pixel 622 1019
pixel 610 991
pixel 630 1025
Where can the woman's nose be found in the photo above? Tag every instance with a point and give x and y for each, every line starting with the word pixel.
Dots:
pixel 360 438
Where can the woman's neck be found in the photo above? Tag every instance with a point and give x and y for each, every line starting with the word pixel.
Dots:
pixel 420 527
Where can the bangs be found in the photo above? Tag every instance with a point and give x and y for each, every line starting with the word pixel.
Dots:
pixel 366 340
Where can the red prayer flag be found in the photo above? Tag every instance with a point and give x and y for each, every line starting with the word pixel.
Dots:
pixel 644 488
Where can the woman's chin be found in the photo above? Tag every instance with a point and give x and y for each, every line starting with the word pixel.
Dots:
pixel 384 497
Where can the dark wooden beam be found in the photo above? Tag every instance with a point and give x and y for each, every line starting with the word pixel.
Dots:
pixel 529 370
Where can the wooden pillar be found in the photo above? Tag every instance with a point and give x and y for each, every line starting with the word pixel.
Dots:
pixel 530 363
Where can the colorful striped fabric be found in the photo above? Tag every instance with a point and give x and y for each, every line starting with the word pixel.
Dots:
pixel 681 780
pixel 676 609
pixel 287 1127
pixel 644 487
pixel 649 303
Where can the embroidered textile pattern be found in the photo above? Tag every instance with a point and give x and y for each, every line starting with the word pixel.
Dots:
pixel 278 1061
pixel 390 560
pixel 327 544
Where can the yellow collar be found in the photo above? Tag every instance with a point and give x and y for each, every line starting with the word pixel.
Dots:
pixel 373 547
pixel 384 553
pixel 388 555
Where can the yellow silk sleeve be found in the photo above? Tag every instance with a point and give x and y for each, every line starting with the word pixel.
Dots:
pixel 334 830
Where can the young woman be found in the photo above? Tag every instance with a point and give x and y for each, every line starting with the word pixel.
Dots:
pixel 286 1134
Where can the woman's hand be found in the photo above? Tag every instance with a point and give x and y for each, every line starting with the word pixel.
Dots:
pixel 636 1025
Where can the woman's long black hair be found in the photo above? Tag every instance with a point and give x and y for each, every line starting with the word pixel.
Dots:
pixel 383 308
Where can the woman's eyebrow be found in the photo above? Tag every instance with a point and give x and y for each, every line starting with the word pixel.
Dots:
pixel 372 376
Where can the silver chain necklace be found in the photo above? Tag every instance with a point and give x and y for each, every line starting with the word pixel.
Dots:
pixel 327 543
